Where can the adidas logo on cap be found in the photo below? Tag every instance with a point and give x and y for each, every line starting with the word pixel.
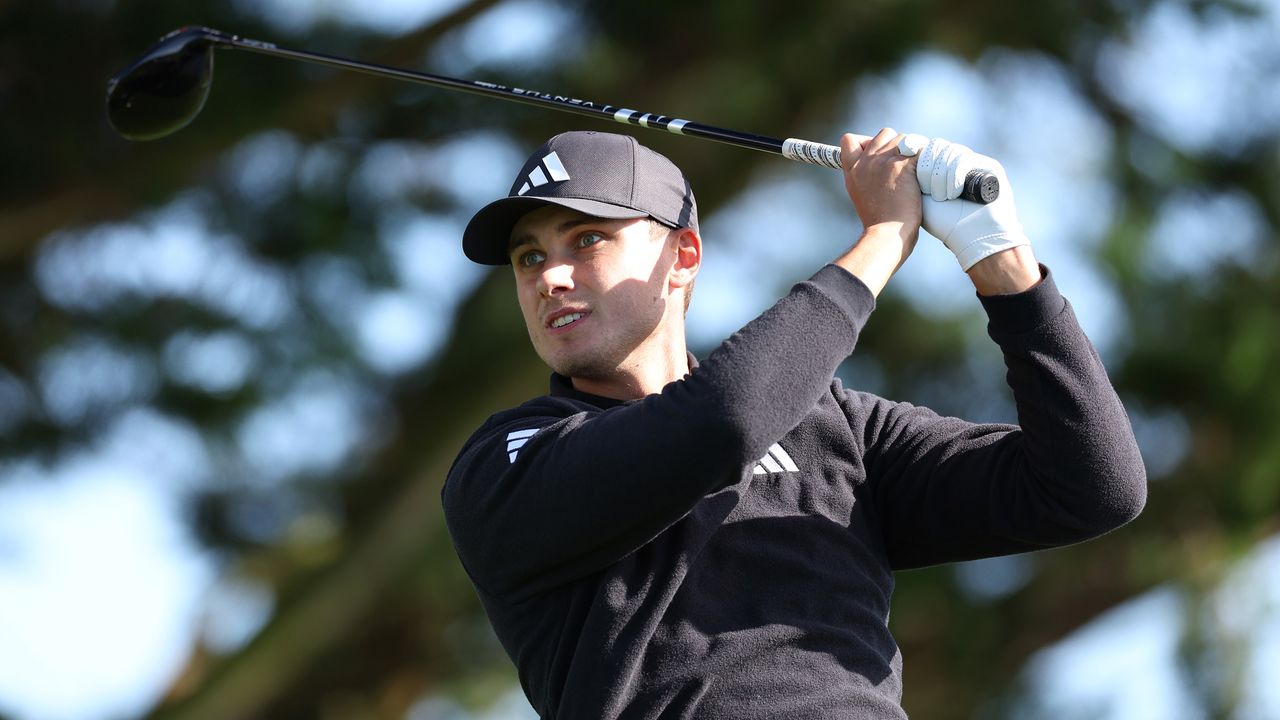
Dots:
pixel 537 176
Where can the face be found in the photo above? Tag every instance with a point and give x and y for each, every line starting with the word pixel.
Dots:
pixel 595 293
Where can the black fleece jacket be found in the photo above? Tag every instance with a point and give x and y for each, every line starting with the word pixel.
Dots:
pixel 724 549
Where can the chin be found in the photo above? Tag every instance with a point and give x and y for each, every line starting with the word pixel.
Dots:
pixel 586 366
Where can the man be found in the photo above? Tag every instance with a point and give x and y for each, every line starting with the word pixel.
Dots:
pixel 659 537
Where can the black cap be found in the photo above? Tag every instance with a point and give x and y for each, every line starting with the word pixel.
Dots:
pixel 600 174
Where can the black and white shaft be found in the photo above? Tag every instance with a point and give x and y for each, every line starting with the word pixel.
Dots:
pixel 982 188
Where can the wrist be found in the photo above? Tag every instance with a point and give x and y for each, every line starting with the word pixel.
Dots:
pixel 890 232
pixel 1007 272
pixel 878 254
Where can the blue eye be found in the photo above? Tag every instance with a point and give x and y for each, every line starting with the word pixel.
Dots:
pixel 529 259
pixel 588 239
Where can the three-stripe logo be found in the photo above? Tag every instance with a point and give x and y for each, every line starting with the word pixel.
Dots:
pixel 517 439
pixel 775 461
pixel 550 169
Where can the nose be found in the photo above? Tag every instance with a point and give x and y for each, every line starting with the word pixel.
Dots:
pixel 555 278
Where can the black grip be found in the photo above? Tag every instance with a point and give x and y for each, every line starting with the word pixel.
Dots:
pixel 981 186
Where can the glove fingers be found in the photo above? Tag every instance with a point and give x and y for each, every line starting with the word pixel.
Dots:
pixel 911 144
pixel 940 184
pixel 949 183
pixel 942 168
pixel 924 166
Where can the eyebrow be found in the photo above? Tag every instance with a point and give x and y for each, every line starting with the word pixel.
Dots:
pixel 526 237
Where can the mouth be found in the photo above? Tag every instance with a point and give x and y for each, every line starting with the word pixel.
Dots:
pixel 564 319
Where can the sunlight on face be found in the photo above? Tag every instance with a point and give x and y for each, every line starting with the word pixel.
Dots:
pixel 593 291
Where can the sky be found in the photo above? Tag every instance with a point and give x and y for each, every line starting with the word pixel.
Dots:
pixel 107 521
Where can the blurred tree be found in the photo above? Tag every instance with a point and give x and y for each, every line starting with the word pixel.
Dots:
pixel 295 176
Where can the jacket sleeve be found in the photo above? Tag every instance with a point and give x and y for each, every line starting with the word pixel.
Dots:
pixel 588 488
pixel 951 490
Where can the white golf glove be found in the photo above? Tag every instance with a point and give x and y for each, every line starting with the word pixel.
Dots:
pixel 972 231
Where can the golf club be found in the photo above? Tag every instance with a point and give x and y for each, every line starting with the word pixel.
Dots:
pixel 164 89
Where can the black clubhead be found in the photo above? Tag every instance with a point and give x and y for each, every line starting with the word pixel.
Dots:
pixel 162 91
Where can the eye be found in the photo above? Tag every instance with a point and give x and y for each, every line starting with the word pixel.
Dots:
pixel 587 239
pixel 529 258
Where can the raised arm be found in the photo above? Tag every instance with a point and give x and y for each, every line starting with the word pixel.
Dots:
pixel 1070 470
pixel 951 490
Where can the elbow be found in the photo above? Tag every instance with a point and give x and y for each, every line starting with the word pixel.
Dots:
pixel 1138 495
pixel 1129 500
pixel 1121 499
pixel 1123 482
pixel 1097 502
pixel 1117 482
pixel 1128 483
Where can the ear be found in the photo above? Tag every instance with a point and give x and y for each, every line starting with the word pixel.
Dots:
pixel 688 257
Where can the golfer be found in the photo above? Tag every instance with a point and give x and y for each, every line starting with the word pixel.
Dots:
pixel 665 537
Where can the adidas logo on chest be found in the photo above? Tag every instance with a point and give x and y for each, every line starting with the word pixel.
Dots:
pixel 775 461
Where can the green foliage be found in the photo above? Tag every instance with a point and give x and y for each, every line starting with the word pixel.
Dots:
pixel 377 614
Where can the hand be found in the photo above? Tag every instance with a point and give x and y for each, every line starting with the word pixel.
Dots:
pixel 879 181
pixel 971 231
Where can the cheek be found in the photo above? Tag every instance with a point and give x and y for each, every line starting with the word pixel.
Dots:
pixel 655 280
pixel 527 297
pixel 647 265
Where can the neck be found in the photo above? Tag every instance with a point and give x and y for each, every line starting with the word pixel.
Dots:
pixel 645 371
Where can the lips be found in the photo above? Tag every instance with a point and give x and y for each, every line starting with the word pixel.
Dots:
pixel 565 317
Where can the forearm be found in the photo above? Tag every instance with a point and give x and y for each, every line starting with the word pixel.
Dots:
pixel 877 255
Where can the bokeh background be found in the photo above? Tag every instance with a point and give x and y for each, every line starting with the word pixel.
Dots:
pixel 236 363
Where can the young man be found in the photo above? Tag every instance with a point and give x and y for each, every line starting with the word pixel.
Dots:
pixel 662 538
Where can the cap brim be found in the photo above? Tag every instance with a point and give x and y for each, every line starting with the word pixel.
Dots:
pixel 488 235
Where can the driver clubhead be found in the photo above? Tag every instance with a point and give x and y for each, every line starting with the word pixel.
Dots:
pixel 164 89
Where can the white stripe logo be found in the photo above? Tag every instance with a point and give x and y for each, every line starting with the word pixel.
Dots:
pixel 538 177
pixel 517 439
pixel 775 461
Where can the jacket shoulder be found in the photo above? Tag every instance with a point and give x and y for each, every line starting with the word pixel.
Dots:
pixel 502 435
pixel 546 408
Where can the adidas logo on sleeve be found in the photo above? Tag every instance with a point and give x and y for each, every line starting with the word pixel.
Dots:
pixel 517 439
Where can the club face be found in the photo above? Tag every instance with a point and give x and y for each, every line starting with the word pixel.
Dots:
pixel 162 91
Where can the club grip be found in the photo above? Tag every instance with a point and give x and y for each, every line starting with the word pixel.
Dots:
pixel 980 186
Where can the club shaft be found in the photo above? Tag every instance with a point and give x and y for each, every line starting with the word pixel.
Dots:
pixel 794 149
pixel 979 186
